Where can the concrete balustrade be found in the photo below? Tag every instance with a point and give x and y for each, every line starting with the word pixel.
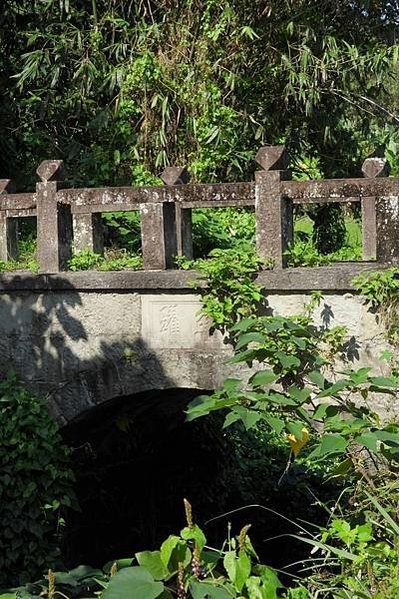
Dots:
pixel 70 218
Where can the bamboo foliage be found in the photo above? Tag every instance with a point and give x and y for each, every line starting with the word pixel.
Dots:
pixel 122 89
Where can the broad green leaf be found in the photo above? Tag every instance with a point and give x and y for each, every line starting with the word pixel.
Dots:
pixel 211 557
pixel 247 356
pixel 299 342
pixel 238 568
pixel 232 385
pixel 263 378
pixel 365 532
pixel 167 548
pixel 255 588
pixel 254 337
pixel 343 468
pixel 387 437
pixel 244 324
pixel 120 564
pixel 200 406
pixel 202 590
pixel 368 440
pixel 230 565
pixel 82 572
pixel 66 578
pixel 332 444
pixel 320 411
pixel 275 423
pixel 230 419
pixel 243 570
pixel 317 378
pixel 382 381
pixel 133 583
pixel 359 376
pixel 269 577
pixel 287 361
pixel 249 417
pixel 334 389
pixel 152 561
pixel 194 534
pixel 300 395
pixel 281 399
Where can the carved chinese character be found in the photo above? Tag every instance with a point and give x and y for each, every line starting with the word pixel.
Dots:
pixel 169 322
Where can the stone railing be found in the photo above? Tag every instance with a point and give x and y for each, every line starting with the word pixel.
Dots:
pixel 70 217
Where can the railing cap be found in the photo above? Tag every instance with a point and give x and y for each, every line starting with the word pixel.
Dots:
pixel 375 167
pixel 51 170
pixel 6 186
pixel 272 158
pixel 175 175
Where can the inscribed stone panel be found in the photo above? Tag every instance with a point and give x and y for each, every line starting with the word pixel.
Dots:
pixel 173 321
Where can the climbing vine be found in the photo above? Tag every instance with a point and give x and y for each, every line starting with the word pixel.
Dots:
pixel 381 289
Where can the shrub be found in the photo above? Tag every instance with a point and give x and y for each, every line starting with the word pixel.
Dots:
pixel 35 485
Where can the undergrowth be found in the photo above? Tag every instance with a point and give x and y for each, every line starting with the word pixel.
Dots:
pixel 112 260
pixel 27 259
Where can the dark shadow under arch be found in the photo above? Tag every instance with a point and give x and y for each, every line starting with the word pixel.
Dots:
pixel 135 459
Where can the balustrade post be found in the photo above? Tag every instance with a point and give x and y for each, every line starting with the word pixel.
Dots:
pixel 158 235
pixel 274 213
pixel 88 232
pixel 380 218
pixel 54 220
pixel 8 227
pixel 178 175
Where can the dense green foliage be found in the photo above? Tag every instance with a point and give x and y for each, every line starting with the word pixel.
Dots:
pixel 35 485
pixel 121 89
pixel 183 567
pixel 297 392
pixel 290 392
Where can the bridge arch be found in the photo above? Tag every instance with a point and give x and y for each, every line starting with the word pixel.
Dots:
pixel 135 460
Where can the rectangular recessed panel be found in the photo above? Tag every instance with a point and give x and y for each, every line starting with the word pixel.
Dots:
pixel 173 321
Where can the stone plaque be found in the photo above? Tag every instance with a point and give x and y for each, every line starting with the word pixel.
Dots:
pixel 173 321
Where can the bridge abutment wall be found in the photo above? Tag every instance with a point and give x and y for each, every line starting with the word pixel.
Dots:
pixel 81 339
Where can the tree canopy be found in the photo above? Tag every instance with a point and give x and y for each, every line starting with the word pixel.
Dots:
pixel 120 89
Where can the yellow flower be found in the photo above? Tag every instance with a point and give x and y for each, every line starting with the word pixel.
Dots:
pixel 298 444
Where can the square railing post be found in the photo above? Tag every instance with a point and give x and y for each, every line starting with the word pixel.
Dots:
pixel 54 220
pixel 88 232
pixel 158 235
pixel 8 227
pixel 177 175
pixel 274 212
pixel 380 219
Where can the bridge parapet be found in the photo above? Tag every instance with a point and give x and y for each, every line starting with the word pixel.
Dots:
pixel 70 217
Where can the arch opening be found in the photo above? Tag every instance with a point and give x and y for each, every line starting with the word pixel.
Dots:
pixel 136 458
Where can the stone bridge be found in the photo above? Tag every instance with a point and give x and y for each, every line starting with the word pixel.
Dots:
pixel 82 339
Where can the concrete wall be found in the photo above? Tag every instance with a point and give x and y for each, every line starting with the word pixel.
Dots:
pixel 87 338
